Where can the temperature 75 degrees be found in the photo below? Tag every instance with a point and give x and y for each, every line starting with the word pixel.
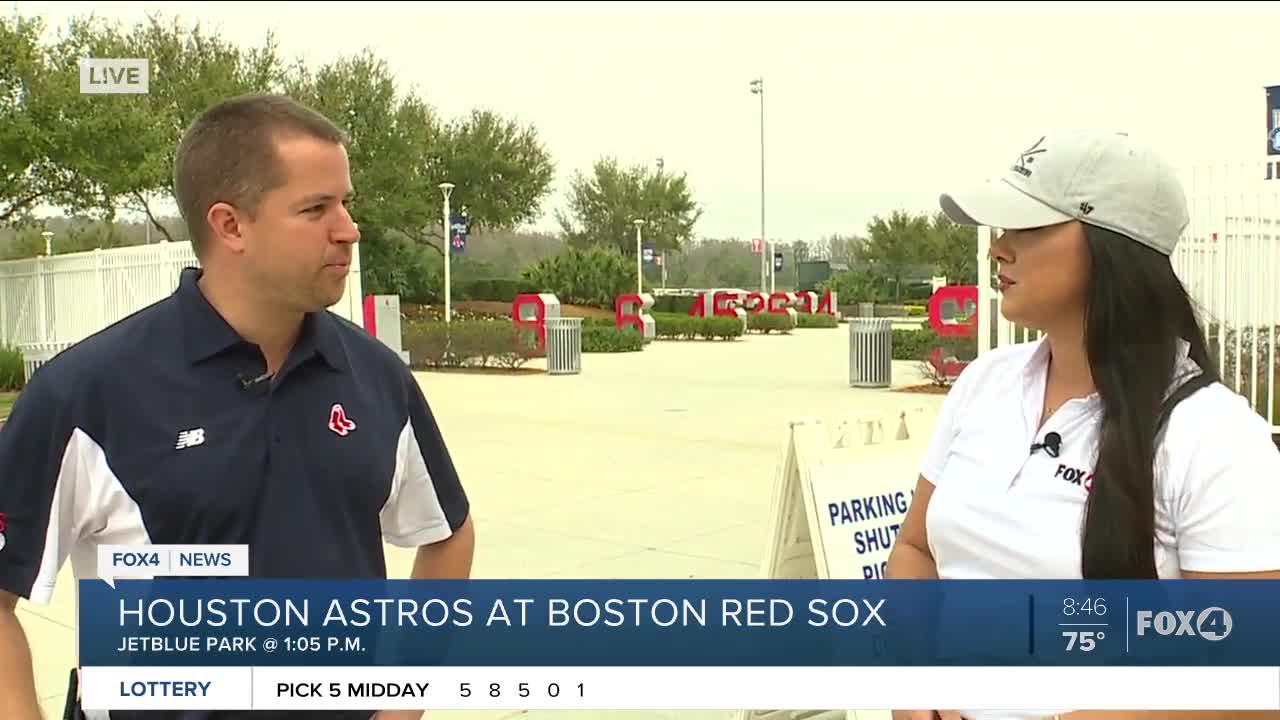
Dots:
pixel 1085 640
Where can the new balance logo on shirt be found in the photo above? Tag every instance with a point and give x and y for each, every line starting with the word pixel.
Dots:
pixel 190 438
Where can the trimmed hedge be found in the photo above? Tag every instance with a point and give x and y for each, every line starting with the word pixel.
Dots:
pixel 767 322
pixel 598 339
pixel 670 326
pixel 810 321
pixel 468 343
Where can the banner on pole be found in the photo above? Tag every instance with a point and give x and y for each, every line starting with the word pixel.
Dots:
pixel 459 228
pixel 1273 120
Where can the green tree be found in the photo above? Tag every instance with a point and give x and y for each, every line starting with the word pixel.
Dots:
pixel 58 147
pixel 954 250
pixel 191 69
pixel 390 138
pixel 401 152
pixel 893 245
pixel 501 170
pixel 602 208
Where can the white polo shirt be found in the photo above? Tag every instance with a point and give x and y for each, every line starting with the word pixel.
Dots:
pixel 999 511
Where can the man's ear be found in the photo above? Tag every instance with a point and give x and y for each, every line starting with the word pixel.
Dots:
pixel 226 226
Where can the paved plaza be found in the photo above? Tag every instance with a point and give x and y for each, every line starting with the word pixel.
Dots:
pixel 656 464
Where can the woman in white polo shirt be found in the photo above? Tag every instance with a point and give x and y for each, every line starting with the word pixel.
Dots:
pixel 1108 449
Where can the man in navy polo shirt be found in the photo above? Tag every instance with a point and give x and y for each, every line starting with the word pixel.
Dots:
pixel 238 410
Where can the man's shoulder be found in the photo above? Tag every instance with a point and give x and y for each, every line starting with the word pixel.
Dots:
pixel 90 371
pixel 363 349
pixel 107 352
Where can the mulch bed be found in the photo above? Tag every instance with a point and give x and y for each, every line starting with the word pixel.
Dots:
pixel 482 371
pixel 929 389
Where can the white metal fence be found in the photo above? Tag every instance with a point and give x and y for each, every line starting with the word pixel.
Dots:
pixel 1229 260
pixel 63 299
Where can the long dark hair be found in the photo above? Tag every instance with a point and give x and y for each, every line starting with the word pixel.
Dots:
pixel 1137 311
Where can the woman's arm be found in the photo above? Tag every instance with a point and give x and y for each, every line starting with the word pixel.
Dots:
pixel 910 557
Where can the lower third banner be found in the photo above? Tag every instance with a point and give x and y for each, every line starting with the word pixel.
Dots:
pixel 544 643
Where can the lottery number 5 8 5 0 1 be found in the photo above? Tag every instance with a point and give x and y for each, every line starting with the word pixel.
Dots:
pixel 523 690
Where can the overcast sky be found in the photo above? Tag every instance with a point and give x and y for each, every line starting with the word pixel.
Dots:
pixel 868 106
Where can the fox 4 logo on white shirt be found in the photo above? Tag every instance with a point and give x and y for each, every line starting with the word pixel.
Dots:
pixel 1213 623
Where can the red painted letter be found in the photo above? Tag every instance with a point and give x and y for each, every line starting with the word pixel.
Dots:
pixel 962 296
pixel 780 302
pixel 808 301
pixel 828 304
pixel 630 309
pixel 531 311
pixel 723 308
pixel 699 308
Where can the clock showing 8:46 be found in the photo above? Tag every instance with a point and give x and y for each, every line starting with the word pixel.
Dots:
pixel 1088 607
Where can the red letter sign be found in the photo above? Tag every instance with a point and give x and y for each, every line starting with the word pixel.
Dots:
pixel 630 310
pixel 531 311
pixel 781 302
pixel 963 296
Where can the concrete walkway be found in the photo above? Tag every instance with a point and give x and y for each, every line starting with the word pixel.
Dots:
pixel 656 464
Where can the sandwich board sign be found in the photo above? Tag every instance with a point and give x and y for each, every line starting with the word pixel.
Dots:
pixel 839 498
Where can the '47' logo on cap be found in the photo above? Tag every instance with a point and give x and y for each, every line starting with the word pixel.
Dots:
pixel 338 420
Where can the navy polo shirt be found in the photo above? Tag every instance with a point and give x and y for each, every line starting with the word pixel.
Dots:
pixel 158 429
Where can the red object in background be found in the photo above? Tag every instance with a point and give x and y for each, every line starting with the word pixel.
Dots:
pixel 539 320
pixel 962 296
pixel 779 302
pixel 756 302
pixel 370 316
pixel 627 310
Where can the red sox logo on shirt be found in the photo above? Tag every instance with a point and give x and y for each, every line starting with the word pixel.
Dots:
pixel 1076 476
pixel 338 420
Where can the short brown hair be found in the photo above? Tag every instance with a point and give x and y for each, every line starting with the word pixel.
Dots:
pixel 228 154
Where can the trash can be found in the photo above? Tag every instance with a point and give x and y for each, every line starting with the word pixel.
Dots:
pixel 564 346
pixel 870 352
pixel 866 309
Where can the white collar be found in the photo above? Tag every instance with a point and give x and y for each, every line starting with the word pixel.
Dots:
pixel 1035 372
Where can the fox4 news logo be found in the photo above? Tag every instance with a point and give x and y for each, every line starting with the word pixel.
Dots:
pixel 1213 623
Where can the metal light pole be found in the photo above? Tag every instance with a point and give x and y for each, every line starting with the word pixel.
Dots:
pixel 639 258
pixel 766 248
pixel 447 189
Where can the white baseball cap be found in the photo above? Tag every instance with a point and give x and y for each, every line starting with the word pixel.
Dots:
pixel 1102 178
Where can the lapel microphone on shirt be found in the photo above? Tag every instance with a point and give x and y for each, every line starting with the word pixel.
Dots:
pixel 248 382
pixel 1052 444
